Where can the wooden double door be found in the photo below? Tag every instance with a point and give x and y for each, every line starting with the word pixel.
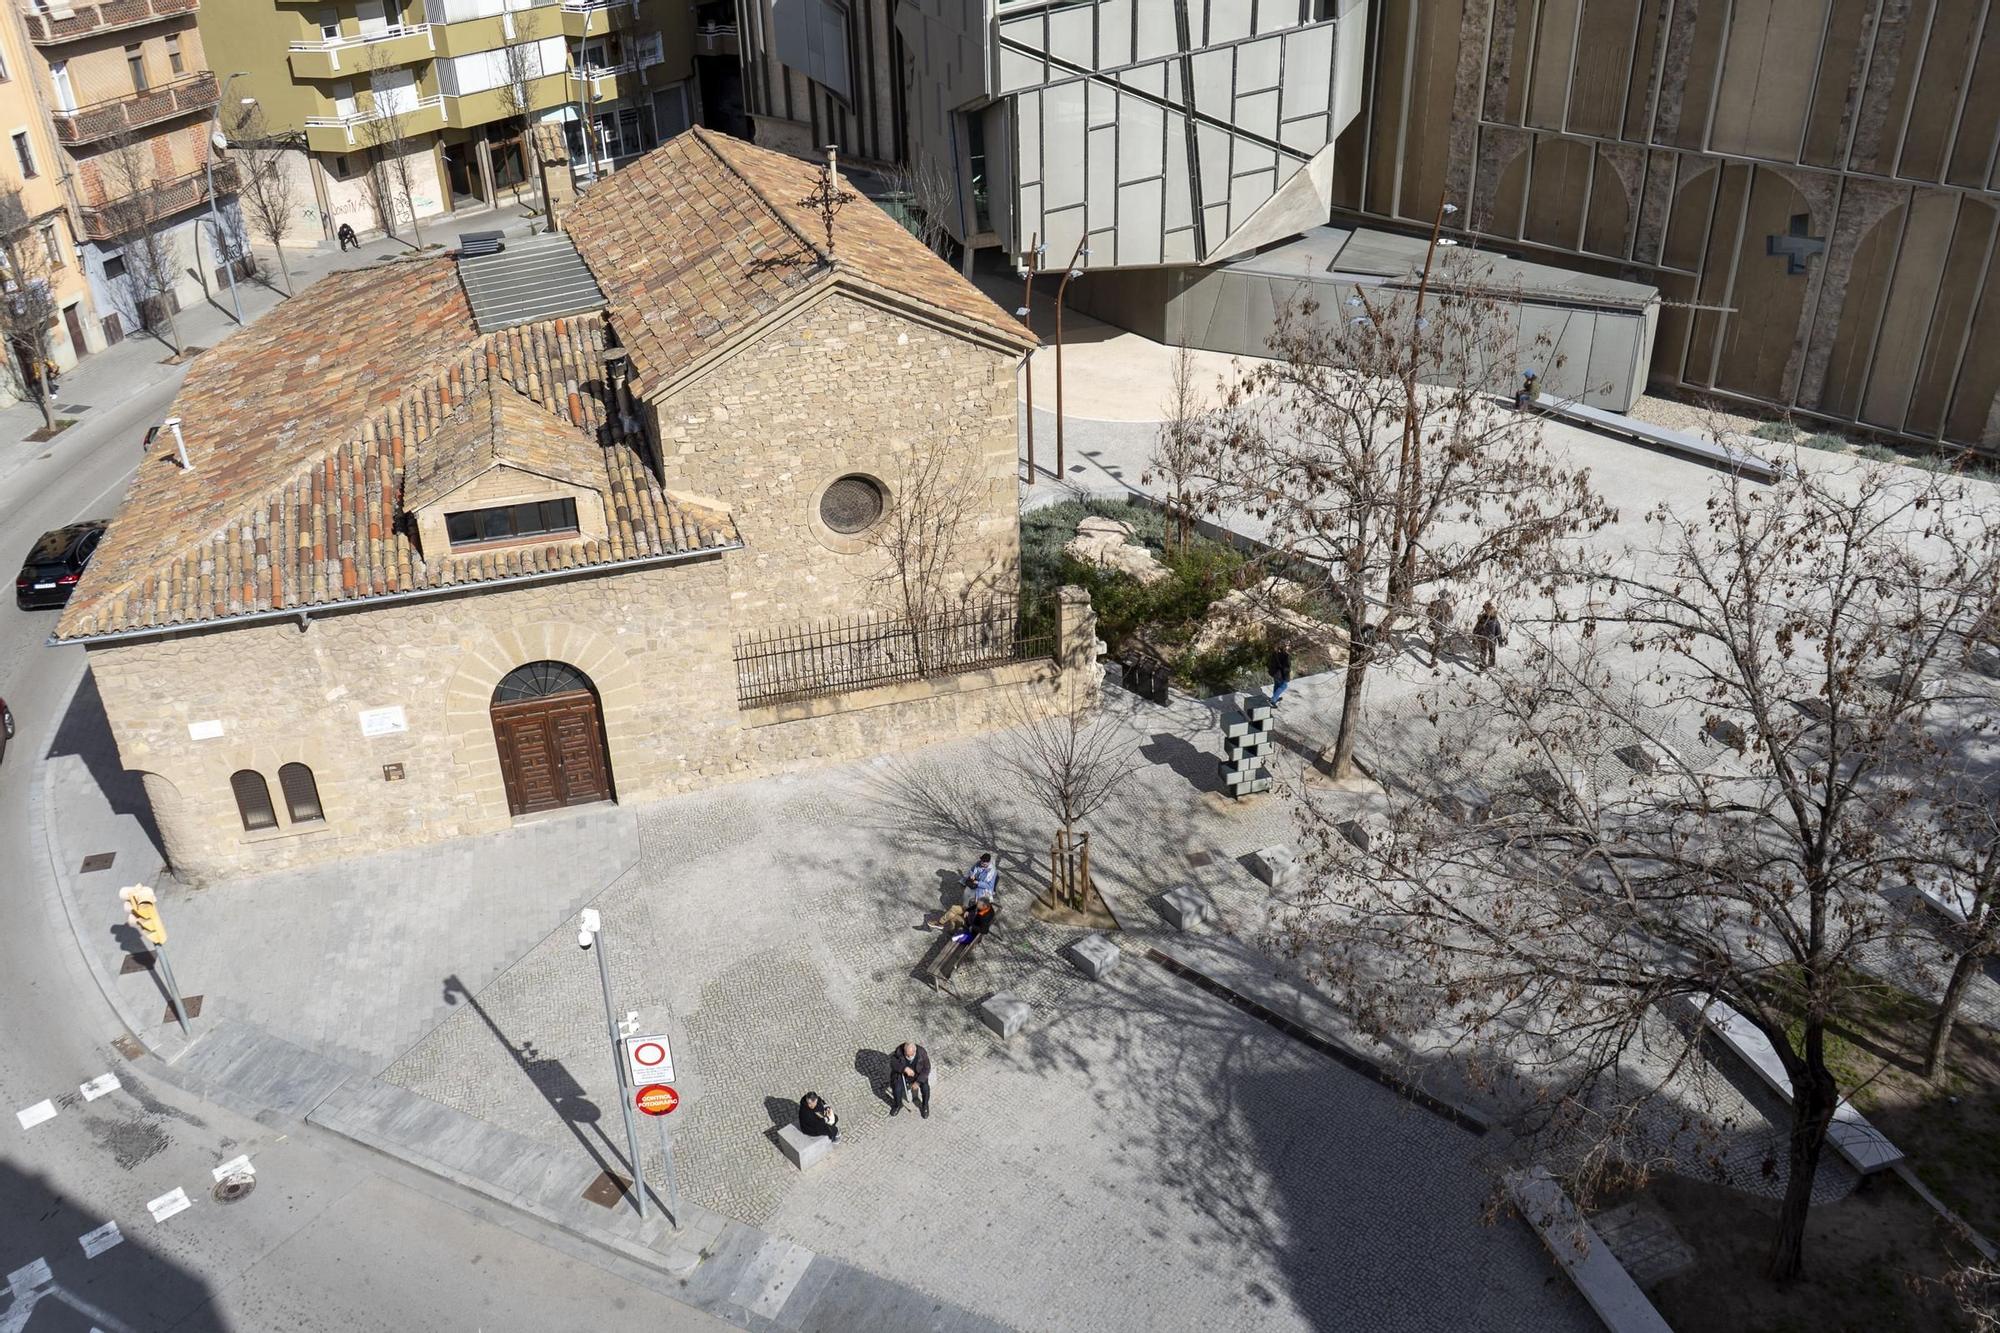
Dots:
pixel 552 752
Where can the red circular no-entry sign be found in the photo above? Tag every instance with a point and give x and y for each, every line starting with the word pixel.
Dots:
pixel 657 1099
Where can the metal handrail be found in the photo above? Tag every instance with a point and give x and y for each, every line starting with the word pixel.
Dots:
pixel 389 34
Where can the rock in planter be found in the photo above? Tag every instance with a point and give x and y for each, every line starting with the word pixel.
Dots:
pixel 1269 610
pixel 1108 544
pixel 1094 956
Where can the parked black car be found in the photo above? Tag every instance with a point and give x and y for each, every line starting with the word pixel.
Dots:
pixel 48 576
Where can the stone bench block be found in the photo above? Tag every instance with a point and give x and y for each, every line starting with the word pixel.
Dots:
pixel 1094 956
pixel 1183 908
pixel 1003 1013
pixel 1273 865
pixel 804 1149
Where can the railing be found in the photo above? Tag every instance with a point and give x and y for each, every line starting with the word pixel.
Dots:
pixel 109 218
pixel 348 123
pixel 48 28
pixel 592 6
pixel 860 652
pixel 100 120
pixel 333 46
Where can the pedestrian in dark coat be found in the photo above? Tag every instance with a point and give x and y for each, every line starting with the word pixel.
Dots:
pixel 978 920
pixel 1280 666
pixel 347 237
pixel 1488 633
pixel 817 1118
pixel 910 1076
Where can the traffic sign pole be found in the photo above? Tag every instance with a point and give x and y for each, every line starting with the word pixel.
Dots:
pixel 673 1190
pixel 618 1072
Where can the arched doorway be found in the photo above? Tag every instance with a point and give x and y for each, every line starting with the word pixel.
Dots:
pixel 551 738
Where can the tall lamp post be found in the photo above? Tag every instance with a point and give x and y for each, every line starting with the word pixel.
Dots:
pixel 1026 315
pixel 591 933
pixel 1082 251
pixel 216 144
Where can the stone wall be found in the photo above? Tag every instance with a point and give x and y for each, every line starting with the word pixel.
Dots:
pixel 843 386
pixel 655 644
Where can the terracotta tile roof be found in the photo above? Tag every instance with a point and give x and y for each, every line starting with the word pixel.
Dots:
pixel 496 426
pixel 703 237
pixel 301 428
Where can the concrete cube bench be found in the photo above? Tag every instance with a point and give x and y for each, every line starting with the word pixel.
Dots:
pixel 804 1149
pixel 1094 956
pixel 1273 865
pixel 1002 1012
pixel 1183 908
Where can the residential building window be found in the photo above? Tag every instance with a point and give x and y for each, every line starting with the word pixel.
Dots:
pixel 853 503
pixel 329 25
pixel 52 244
pixel 114 268
pixel 135 60
pixel 253 800
pixel 26 154
pixel 174 61
pixel 301 794
pixel 59 76
pixel 4 74
pixel 536 518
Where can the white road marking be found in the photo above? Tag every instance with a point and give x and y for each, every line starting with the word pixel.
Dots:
pixel 36 1114
pixel 174 1201
pixel 235 1166
pixel 98 1241
pixel 99 1086
pixel 29 1276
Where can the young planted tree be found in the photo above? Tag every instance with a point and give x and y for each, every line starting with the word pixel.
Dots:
pixel 393 144
pixel 1963 871
pixel 929 200
pixel 1070 761
pixel 522 65
pixel 1696 798
pixel 266 189
pixel 28 305
pixel 1177 450
pixel 1378 460
pixel 135 209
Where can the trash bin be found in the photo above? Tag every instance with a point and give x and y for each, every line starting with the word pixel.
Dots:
pixel 1148 678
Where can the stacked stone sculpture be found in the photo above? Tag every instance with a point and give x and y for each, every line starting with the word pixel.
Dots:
pixel 1246 738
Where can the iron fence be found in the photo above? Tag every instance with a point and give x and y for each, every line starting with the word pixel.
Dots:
pixel 859 652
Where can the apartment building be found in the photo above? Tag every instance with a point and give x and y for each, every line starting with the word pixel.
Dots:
pixel 451 86
pixel 31 171
pixel 129 101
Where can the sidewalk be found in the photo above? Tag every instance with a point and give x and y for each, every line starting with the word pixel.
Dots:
pixel 105 377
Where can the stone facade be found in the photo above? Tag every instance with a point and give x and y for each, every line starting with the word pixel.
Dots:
pixel 841 386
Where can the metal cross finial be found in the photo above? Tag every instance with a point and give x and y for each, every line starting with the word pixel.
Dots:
pixel 827 197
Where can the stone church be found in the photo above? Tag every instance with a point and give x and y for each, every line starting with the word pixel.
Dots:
pixel 617 512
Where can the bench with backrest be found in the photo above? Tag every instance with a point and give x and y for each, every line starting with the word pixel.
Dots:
pixel 1850 1134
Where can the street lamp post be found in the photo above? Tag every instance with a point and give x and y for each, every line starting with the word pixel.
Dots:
pixel 1073 271
pixel 215 145
pixel 591 933
pixel 1026 315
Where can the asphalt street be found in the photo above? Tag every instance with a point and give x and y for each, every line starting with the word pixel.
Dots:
pixel 330 1236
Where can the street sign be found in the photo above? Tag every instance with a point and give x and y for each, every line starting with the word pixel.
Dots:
pixel 649 1060
pixel 657 1099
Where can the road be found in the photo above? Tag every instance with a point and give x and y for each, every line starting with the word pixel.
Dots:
pixel 331 1237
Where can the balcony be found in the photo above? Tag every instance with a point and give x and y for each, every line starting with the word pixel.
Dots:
pixel 193 95
pixel 109 219
pixel 605 83
pixel 65 23
pixel 371 128
pixel 591 18
pixel 331 57
pixel 716 37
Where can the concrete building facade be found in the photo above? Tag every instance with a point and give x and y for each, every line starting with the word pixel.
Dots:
pixel 468 574
pixel 453 87
pixel 130 100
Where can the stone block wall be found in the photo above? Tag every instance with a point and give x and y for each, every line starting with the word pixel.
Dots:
pixel 843 386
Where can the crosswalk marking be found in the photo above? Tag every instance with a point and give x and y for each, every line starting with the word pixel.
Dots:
pixel 99 1086
pixel 174 1201
pixel 235 1166
pixel 100 1239
pixel 36 1114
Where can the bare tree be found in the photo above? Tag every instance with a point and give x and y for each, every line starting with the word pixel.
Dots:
pixel 1177 450
pixel 1070 760
pixel 28 308
pixel 135 209
pixel 266 188
pixel 1577 850
pixel 929 200
pixel 934 499
pixel 391 179
pixel 1964 874
pixel 1372 483
pixel 523 65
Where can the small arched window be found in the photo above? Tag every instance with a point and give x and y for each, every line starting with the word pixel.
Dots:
pixel 253 799
pixel 301 794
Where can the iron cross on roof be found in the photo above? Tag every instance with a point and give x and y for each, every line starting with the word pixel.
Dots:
pixel 827 197
pixel 1795 245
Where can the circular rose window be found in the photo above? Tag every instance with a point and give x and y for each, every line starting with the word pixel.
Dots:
pixel 852 504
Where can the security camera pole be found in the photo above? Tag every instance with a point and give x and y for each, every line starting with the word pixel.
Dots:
pixel 1082 251
pixel 142 913
pixel 592 933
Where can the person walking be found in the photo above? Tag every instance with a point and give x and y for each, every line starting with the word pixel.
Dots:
pixel 981 880
pixel 978 921
pixel 1489 635
pixel 1439 614
pixel 347 237
pixel 910 1076
pixel 817 1118
pixel 1280 667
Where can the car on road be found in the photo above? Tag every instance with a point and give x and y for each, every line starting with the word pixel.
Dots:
pixel 48 576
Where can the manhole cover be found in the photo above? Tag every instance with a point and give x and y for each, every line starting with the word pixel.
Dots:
pixel 231 1188
pixel 607 1190
pixel 98 861
pixel 192 1003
